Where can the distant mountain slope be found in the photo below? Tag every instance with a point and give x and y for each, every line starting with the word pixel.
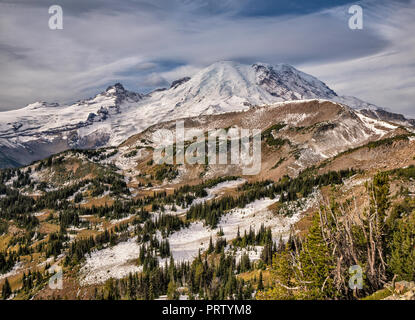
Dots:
pixel 41 129
pixel 310 132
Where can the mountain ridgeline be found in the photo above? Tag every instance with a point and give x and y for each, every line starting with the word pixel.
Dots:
pixel 42 129
pixel 335 189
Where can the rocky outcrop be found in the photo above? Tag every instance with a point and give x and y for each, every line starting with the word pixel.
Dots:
pixel 179 82
pixel 122 95
pixel 402 290
pixel 388 116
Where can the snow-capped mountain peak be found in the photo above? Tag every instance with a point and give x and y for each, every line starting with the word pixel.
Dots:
pixel 119 94
pixel 229 86
pixel 116 88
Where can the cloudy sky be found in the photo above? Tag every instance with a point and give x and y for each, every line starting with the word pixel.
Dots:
pixel 146 44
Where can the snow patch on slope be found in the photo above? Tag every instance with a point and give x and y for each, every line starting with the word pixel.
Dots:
pixel 113 262
pixel 377 126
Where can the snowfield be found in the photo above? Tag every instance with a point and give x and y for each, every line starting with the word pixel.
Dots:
pixel 376 125
pixel 212 193
pixel 218 189
pixel 113 262
pixel 15 270
pixel 254 253
pixel 186 243
pixel 118 261
pixel 354 182
pixel 226 185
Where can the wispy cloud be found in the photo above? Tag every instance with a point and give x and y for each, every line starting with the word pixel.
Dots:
pixel 385 78
pixel 147 44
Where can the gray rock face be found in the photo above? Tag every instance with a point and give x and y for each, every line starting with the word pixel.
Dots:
pixel 179 82
pixel 388 116
pixel 123 95
pixel 402 290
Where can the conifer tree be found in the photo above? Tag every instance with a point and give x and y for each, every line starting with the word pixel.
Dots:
pixel 402 258
pixel 282 274
pixel 172 293
pixel 317 264
pixel 260 282
pixel 210 248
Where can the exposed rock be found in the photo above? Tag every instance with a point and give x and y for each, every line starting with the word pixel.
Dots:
pixel 402 286
pixel 179 82
pixel 387 116
pixel 403 290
